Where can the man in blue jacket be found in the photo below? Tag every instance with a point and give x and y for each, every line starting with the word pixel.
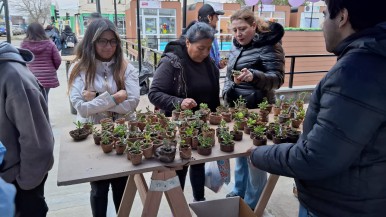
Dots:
pixel 339 162
pixel 208 15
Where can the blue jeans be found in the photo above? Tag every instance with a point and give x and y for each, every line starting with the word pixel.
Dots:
pixel 249 181
pixel 304 212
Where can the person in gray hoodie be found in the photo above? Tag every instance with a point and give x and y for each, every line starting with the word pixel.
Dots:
pixel 25 131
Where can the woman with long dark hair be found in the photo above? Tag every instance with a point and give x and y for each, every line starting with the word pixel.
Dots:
pixel 103 84
pixel 46 56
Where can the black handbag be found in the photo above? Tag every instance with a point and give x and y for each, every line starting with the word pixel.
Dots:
pixel 251 95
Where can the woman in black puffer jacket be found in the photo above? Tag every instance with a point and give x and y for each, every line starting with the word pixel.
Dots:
pixel 258 54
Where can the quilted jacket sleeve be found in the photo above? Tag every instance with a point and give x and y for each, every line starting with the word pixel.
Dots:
pixel 272 60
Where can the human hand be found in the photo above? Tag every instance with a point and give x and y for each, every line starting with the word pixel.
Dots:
pixel 88 95
pixel 246 75
pixel 120 96
pixel 223 63
pixel 188 103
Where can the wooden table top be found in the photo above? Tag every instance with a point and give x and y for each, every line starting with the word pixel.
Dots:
pixel 70 58
pixel 84 161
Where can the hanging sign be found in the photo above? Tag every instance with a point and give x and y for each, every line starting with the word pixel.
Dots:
pixel 150 4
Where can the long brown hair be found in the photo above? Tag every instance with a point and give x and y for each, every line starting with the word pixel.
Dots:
pixel 247 15
pixel 35 32
pixel 86 55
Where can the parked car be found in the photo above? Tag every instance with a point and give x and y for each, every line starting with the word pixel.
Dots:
pixel 16 31
pixel 3 30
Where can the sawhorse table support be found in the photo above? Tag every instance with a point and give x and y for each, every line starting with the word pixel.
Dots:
pixel 165 181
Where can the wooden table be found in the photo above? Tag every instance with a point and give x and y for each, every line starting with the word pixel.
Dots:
pixel 84 161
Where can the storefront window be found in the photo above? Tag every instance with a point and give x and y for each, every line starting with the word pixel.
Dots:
pixel 148 11
pixel 167 25
pixel 150 25
pixel 167 12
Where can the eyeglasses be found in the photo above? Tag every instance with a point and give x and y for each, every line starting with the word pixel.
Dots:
pixel 103 42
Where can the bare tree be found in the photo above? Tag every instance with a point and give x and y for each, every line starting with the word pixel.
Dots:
pixel 37 10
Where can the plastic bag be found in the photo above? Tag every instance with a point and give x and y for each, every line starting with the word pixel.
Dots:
pixel 213 179
pixel 225 171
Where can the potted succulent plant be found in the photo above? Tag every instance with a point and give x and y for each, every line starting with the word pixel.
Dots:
pixel 147 146
pixel 259 137
pixel 208 132
pixel 240 118
pixel 221 127
pixel 299 116
pixel 177 111
pixel 166 152
pixel 235 74
pixel 88 126
pixel 277 107
pixel 280 135
pixel 79 133
pixel 96 134
pixel 204 111
pixel 284 116
pixel 293 135
pixel 264 112
pixel 120 145
pixel 205 146
pixel 136 153
pixel 215 118
pixel 236 133
pixel 120 131
pixel 300 100
pixel 227 144
pixel 250 125
pixel 185 150
pixel 107 143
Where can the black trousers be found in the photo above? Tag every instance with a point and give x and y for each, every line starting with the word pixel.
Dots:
pixel 197 179
pixel 99 195
pixel 30 202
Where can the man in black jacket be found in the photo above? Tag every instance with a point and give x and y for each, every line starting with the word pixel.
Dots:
pixel 339 162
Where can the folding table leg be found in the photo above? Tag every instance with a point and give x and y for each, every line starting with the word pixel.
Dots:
pixel 265 195
pixel 128 198
pixel 140 182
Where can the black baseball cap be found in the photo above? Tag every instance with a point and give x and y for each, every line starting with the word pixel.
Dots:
pixel 206 10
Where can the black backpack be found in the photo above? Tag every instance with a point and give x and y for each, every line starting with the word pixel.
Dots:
pixel 70 41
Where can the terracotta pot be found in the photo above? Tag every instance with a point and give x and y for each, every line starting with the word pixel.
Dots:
pixel 120 148
pixel 204 151
pixel 259 141
pixel 106 120
pixel 278 140
pixel 165 155
pixel 185 152
pixel 283 118
pixel 148 151
pixel 107 148
pixel 187 139
pixel 132 125
pixel 227 116
pixel 97 139
pixel 79 134
pixel 210 133
pixel 141 125
pixel 88 128
pixel 285 106
pixel 136 158
pixel 227 148
pixel 120 121
pixel 299 104
pixel 195 143
pixel 296 123
pixel 214 119
pixel 293 136
pixel 247 130
pixel 175 115
pixel 276 111
pixel 238 136
pixel 269 108
pixel 156 143
pixel 242 125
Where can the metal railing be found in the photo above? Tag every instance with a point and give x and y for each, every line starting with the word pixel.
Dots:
pixel 155 56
